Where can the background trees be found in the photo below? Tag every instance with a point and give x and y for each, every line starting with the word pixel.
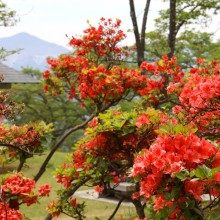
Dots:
pixel 175 22
pixel 7 18
pixel 189 45
pixel 58 110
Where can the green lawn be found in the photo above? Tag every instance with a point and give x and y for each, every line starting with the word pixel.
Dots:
pixel 38 211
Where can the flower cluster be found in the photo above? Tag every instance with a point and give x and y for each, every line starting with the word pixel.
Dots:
pixel 17 190
pixel 171 159
pixel 26 138
pixel 199 98
pixel 161 73
pixel 70 206
pixel 200 90
pixel 16 135
pixel 102 40
pixel 90 74
pixel 6 213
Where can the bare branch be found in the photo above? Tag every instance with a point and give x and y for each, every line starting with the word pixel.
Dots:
pixel 18 147
pixel 57 145
pixel 116 208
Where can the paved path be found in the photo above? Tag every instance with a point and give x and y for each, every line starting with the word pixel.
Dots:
pixel 92 194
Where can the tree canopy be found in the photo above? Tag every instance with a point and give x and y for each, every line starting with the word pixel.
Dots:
pixel 8 17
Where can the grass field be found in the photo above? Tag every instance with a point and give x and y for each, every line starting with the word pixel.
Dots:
pixel 38 211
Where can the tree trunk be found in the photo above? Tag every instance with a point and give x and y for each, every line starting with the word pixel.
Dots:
pixel 139 208
pixel 139 39
pixel 48 217
pixel 172 29
pixel 22 160
pixel 143 30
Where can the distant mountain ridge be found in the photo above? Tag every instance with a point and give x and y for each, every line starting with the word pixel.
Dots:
pixel 34 51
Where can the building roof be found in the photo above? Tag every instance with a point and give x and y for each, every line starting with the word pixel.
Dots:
pixel 11 75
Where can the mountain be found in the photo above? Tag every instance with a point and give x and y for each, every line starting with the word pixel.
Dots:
pixel 34 51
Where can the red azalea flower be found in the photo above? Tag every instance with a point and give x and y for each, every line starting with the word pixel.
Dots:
pixel 46 74
pixel 44 190
pixel 98 189
pixel 73 202
pixel 217 177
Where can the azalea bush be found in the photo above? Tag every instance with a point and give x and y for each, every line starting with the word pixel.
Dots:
pixel 18 142
pixel 167 145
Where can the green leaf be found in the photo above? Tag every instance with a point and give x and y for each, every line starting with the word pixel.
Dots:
pixel 137 179
pixel 119 123
pixel 161 63
pixel 163 129
pixel 197 211
pixel 187 214
pixel 127 130
pixel 168 196
pixel 191 203
pixel 179 128
pixel 214 170
pixel 202 171
pixel 194 130
pixel 182 175
pixel 192 173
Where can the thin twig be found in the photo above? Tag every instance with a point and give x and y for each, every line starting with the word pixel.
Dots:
pixel 116 208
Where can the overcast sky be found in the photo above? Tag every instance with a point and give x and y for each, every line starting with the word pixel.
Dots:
pixel 52 20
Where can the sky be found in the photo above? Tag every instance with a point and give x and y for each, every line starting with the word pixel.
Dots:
pixel 52 20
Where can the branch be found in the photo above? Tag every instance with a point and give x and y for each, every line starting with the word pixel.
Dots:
pixel 134 21
pixel 213 203
pixel 143 29
pixel 17 147
pixel 71 192
pixel 77 186
pixel 210 133
pixel 57 145
pixel 139 208
pixel 184 21
pixel 172 28
pixel 36 112
pixel 135 28
pixel 117 207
